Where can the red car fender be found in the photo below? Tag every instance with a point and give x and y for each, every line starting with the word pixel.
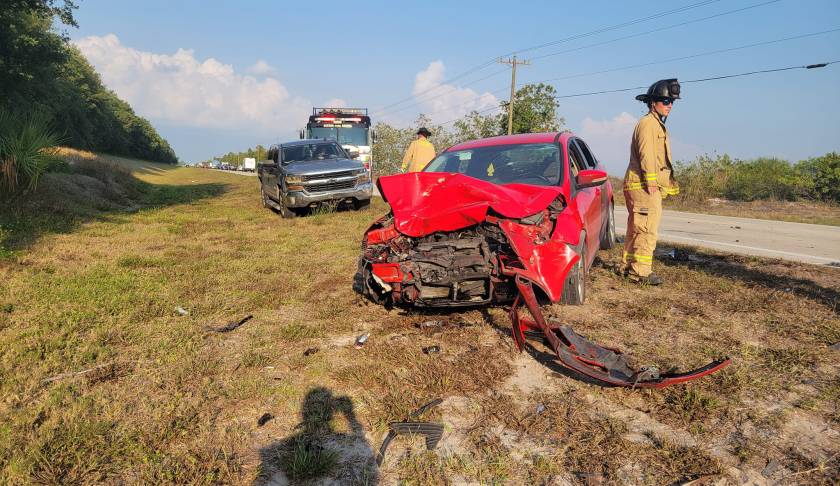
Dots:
pixel 544 263
pixel 568 225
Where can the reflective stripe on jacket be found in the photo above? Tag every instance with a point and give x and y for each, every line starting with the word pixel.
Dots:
pixel 650 158
pixel 418 155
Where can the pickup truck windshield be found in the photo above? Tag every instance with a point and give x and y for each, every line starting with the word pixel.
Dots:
pixel 312 151
pixel 534 163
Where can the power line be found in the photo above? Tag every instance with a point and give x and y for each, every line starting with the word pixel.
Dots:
pixel 559 41
pixel 660 29
pixel 681 58
pixel 452 89
pixel 700 80
pixel 693 56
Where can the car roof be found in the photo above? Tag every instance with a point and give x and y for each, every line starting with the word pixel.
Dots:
pixel 523 138
pixel 307 142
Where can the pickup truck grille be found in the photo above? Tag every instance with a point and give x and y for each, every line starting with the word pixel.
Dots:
pixel 331 186
pixel 331 175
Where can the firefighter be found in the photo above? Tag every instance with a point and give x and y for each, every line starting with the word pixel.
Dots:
pixel 648 180
pixel 419 153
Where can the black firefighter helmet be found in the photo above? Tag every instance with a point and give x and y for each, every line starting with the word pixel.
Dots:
pixel 660 90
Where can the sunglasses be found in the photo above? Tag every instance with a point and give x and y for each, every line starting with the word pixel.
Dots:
pixel 667 101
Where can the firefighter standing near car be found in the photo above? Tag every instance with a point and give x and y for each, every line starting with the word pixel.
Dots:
pixel 648 180
pixel 419 153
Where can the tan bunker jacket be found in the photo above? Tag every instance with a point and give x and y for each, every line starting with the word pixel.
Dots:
pixel 650 158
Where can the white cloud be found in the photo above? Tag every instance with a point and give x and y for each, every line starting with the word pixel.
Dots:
pixel 335 103
pixel 181 89
pixel 610 140
pixel 261 68
pixel 443 102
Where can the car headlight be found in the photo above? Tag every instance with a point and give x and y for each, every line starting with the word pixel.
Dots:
pixel 294 179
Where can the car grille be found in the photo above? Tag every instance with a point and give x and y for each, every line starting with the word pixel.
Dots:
pixel 331 175
pixel 331 186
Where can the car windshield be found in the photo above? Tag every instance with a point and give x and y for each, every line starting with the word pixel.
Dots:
pixel 356 135
pixel 312 151
pixel 534 163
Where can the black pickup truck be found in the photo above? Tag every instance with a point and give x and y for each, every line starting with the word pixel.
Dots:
pixel 307 173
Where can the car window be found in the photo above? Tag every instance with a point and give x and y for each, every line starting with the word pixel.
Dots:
pixel 587 154
pixel 535 163
pixel 576 163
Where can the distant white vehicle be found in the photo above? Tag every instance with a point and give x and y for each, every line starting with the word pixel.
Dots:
pixel 249 164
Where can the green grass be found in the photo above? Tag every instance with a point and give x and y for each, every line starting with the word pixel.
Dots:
pixel 173 403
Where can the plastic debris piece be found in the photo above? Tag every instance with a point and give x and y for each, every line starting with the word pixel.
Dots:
pixel 180 310
pixel 361 340
pixel 540 408
pixel 431 349
pixel 310 351
pixel 264 418
pixel 231 326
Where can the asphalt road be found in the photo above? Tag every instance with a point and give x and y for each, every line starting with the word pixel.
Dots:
pixel 809 243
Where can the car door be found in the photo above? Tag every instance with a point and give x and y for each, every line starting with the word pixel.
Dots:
pixel 587 200
pixel 601 192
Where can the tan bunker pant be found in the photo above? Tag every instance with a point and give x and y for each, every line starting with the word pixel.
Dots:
pixel 644 212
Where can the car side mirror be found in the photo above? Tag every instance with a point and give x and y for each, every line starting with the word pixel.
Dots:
pixel 590 178
pixel 300 133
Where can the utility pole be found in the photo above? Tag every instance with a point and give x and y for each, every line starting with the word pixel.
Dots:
pixel 513 62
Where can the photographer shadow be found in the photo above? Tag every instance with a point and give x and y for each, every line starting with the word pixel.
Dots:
pixel 319 452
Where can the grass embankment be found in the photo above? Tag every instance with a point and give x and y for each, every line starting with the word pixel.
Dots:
pixel 813 212
pixel 173 402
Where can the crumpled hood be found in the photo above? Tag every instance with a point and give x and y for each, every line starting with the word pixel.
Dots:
pixel 426 202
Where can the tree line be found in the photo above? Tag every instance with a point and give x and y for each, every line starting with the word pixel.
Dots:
pixel 45 78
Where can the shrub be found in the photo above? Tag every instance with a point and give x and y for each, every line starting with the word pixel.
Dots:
pixel 764 178
pixel 824 176
pixel 27 149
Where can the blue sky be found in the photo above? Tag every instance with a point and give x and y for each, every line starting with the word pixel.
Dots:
pixel 216 76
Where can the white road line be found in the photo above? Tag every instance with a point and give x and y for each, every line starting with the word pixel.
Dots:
pixel 745 247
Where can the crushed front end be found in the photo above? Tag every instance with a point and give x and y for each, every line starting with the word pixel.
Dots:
pixel 478 244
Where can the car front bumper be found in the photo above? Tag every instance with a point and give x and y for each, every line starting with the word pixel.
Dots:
pixel 302 199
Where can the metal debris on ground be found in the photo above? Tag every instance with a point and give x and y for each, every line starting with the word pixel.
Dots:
pixel 231 326
pixel 310 351
pixel 431 349
pixel 180 310
pixel 361 340
pixel 264 418
pixel 430 324
pixel 431 431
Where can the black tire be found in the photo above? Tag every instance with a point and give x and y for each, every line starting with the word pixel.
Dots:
pixel 574 290
pixel 608 237
pixel 285 212
pixel 361 204
pixel 264 198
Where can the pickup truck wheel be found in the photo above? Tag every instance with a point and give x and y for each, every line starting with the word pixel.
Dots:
pixel 608 234
pixel 574 290
pixel 286 212
pixel 361 204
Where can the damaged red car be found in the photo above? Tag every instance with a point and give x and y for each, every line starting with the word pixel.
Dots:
pixel 512 219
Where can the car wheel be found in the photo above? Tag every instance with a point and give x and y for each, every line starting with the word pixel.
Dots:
pixel 608 235
pixel 574 290
pixel 361 204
